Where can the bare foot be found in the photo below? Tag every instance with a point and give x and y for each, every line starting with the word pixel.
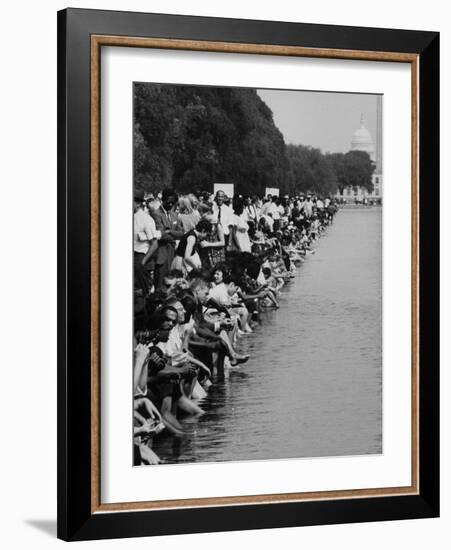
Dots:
pixel 147 455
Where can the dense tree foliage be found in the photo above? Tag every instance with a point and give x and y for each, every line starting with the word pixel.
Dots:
pixel 310 170
pixel 354 169
pixel 191 137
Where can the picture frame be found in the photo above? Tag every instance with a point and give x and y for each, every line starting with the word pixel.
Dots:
pixel 81 36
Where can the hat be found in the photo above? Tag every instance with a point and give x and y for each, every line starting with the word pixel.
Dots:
pixel 138 195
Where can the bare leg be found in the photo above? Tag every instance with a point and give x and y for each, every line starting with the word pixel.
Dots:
pixel 188 406
pixel 147 455
pixel 272 298
pixel 225 339
pixel 169 419
pixel 188 387
pixel 184 402
pixel 243 315
pixel 198 391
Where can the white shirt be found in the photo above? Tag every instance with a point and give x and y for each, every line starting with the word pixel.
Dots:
pixel 274 210
pixel 220 294
pixel 269 221
pixel 174 345
pixel 261 278
pixel 270 208
pixel 226 217
pixel 242 237
pixel 265 208
pixel 251 212
pixel 308 207
pixel 144 231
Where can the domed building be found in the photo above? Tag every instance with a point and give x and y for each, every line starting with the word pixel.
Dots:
pixel 362 141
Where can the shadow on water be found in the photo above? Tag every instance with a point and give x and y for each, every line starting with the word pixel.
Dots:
pixel 313 384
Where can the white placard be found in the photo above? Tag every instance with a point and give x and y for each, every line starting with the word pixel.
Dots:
pixel 273 191
pixel 228 188
pixel 120 482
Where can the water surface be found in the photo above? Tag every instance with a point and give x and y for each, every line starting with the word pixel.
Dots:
pixel 313 384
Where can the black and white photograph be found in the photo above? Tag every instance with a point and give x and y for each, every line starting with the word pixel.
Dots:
pixel 257 239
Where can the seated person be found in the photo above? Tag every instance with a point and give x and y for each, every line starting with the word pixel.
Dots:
pixel 213 332
pixel 224 291
pixel 165 380
pixel 250 290
pixel 147 418
pixel 278 268
pixel 177 349
pixel 273 282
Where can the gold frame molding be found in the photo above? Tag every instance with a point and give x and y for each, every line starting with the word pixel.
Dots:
pixel 97 41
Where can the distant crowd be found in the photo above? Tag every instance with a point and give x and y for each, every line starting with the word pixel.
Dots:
pixel 205 267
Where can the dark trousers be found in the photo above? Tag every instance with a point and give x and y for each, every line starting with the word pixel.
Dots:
pixel 143 274
pixel 162 268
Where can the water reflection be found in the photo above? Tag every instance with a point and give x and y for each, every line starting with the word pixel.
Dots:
pixel 313 384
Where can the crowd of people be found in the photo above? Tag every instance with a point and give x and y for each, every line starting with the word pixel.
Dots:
pixel 205 267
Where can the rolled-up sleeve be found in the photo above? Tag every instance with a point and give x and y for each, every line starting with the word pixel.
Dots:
pixel 150 229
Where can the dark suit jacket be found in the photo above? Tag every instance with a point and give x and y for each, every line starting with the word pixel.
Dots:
pixel 199 318
pixel 165 222
pixel 203 326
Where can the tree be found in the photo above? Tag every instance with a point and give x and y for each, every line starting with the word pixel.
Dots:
pixel 190 137
pixel 353 169
pixel 261 157
pixel 310 170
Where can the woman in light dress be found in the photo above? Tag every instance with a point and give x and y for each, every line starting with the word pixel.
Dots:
pixel 240 235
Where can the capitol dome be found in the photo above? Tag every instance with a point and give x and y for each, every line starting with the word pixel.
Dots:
pixel 362 140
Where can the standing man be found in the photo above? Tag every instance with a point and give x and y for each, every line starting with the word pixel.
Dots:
pixel 300 204
pixel 223 214
pixel 251 214
pixel 308 207
pixel 167 222
pixel 267 204
pixel 145 245
pixel 275 212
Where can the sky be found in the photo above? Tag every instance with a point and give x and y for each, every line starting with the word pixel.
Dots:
pixel 325 120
